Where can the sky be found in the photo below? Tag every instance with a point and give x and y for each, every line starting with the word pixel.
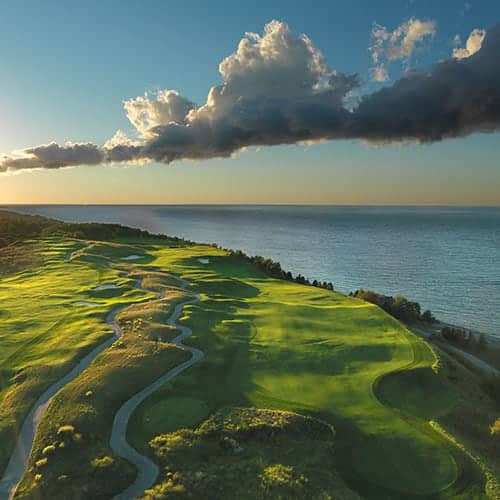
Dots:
pixel 72 71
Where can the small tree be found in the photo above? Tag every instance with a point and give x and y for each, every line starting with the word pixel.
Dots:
pixel 495 428
pixel 428 317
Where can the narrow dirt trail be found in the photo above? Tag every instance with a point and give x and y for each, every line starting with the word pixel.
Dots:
pixel 147 469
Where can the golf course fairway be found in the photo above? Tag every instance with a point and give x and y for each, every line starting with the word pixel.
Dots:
pixel 276 344
pixel 268 344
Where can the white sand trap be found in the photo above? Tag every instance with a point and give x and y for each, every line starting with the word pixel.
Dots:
pixel 132 257
pixel 86 303
pixel 204 261
pixel 105 287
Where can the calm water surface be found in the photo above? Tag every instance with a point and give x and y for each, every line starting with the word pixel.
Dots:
pixel 448 259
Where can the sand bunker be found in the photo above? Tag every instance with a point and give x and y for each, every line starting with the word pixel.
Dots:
pixel 132 257
pixel 105 287
pixel 86 303
pixel 204 261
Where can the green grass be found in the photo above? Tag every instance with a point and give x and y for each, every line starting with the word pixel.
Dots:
pixel 268 343
pixel 168 415
pixel 88 403
pixel 276 344
pixel 43 332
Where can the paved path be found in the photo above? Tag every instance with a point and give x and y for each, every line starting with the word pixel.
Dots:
pixel 474 360
pixel 148 470
pixel 20 456
pixel 479 363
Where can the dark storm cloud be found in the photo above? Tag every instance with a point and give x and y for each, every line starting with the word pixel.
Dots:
pixel 458 97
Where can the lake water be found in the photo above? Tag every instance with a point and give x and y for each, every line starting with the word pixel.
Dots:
pixel 448 259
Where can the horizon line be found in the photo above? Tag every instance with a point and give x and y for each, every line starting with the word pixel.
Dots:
pixel 429 205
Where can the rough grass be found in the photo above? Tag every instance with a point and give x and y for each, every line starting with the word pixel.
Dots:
pixel 42 330
pixel 15 258
pixel 249 454
pixel 88 404
pixel 276 344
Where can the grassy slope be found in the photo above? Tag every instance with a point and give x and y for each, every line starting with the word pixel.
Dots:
pixel 269 343
pixel 90 402
pixel 276 344
pixel 43 332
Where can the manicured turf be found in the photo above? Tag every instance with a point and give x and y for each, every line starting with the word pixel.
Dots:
pixel 276 344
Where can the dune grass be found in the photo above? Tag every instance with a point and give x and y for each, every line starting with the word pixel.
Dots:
pixel 250 454
pixel 275 344
pixel 84 467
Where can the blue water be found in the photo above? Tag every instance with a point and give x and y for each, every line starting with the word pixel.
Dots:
pixel 448 259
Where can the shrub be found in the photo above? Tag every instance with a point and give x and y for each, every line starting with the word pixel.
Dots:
pixel 174 441
pixel 495 428
pixel 161 491
pixel 89 394
pixel 428 317
pixel 49 450
pixel 279 476
pixel 65 430
pixel 103 462
pixel 41 462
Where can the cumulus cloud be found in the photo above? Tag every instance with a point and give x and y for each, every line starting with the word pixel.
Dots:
pixel 277 88
pixel 472 45
pixel 168 106
pixel 398 45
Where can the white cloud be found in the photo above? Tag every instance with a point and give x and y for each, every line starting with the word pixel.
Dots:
pixel 168 106
pixel 398 45
pixel 278 89
pixel 472 45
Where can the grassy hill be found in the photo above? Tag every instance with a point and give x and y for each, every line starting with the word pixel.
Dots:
pixel 274 344
pixel 247 453
pixel 268 343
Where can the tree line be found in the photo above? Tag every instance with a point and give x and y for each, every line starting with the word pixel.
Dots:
pixel 273 269
pixel 400 307
pixel 16 227
pixel 464 338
